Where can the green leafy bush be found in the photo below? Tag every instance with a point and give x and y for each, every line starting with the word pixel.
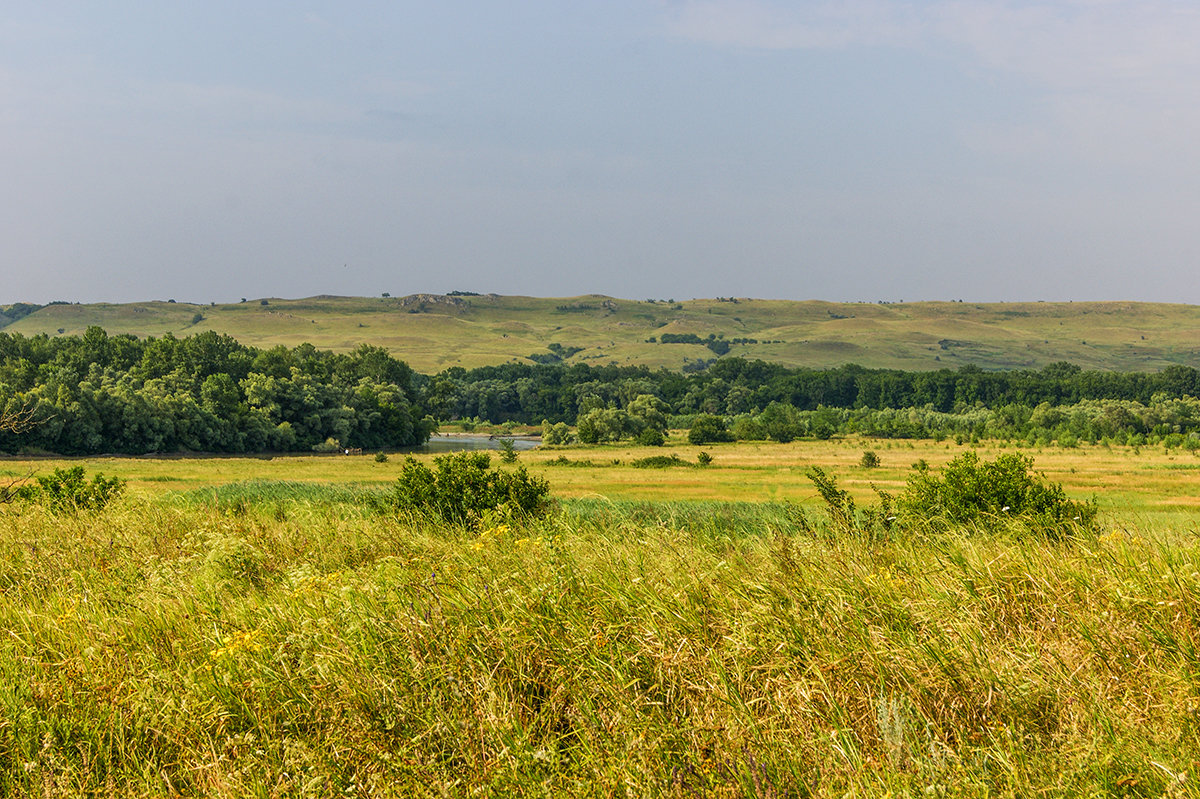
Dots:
pixel 971 491
pixel 781 422
pixel 651 437
pixel 748 428
pixel 869 459
pixel 838 502
pixel 463 486
pixel 659 462
pixel 587 463
pixel 555 434
pixel 708 429
pixel 68 490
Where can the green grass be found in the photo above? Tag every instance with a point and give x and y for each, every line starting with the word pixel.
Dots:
pixel 1147 485
pixel 433 333
pixel 281 491
pixel 171 647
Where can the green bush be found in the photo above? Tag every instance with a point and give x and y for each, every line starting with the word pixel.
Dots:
pixel 703 459
pixel 586 463
pixel 659 462
pixel 838 503
pixel 555 434
pixel 747 428
pixel 651 437
pixel 781 422
pixel 508 450
pixel 463 486
pixel 381 457
pixel 708 429
pixel 971 491
pixel 68 490
pixel 599 425
pixel 869 459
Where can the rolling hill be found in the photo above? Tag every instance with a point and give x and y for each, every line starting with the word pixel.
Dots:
pixel 434 332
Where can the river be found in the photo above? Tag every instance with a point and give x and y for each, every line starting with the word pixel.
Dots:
pixel 460 442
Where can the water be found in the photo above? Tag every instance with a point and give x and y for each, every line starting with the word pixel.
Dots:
pixel 462 443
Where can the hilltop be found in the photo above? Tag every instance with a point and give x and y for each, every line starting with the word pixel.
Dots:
pixel 433 332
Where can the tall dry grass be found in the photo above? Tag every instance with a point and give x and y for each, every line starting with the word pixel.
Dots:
pixel 292 644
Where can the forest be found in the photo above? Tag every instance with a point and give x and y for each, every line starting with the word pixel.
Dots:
pixel 209 393
pixel 204 393
pixel 757 400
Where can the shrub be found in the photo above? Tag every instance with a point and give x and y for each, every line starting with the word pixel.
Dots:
pixel 463 486
pixel 844 516
pixel 781 422
pixel 703 459
pixel 508 450
pixel 587 463
pixel 651 437
pixel 381 457
pixel 747 428
pixel 555 434
pixel 971 491
pixel 708 429
pixel 67 490
pixel 838 503
pixel 659 462
pixel 599 425
pixel 869 460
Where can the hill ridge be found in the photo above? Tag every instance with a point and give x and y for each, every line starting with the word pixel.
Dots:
pixel 436 331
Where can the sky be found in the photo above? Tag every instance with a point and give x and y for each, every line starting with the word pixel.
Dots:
pixel 857 150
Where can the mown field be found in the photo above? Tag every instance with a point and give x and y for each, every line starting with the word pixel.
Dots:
pixel 435 332
pixel 673 632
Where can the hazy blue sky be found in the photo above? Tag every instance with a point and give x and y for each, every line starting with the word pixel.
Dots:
pixel 641 148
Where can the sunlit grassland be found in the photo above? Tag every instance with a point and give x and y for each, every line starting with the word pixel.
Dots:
pixel 1134 484
pixel 435 333
pixel 261 627
pixel 289 640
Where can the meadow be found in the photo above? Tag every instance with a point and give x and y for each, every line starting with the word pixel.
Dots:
pixel 1132 483
pixel 260 627
pixel 435 332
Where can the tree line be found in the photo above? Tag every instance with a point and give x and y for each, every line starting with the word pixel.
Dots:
pixel 1174 422
pixel 208 393
pixel 529 393
pixel 753 400
pixel 100 393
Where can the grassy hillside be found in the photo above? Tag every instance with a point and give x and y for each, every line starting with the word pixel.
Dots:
pixel 434 332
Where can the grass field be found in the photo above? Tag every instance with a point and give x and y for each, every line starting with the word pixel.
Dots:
pixel 251 627
pixel 1128 482
pixel 434 332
